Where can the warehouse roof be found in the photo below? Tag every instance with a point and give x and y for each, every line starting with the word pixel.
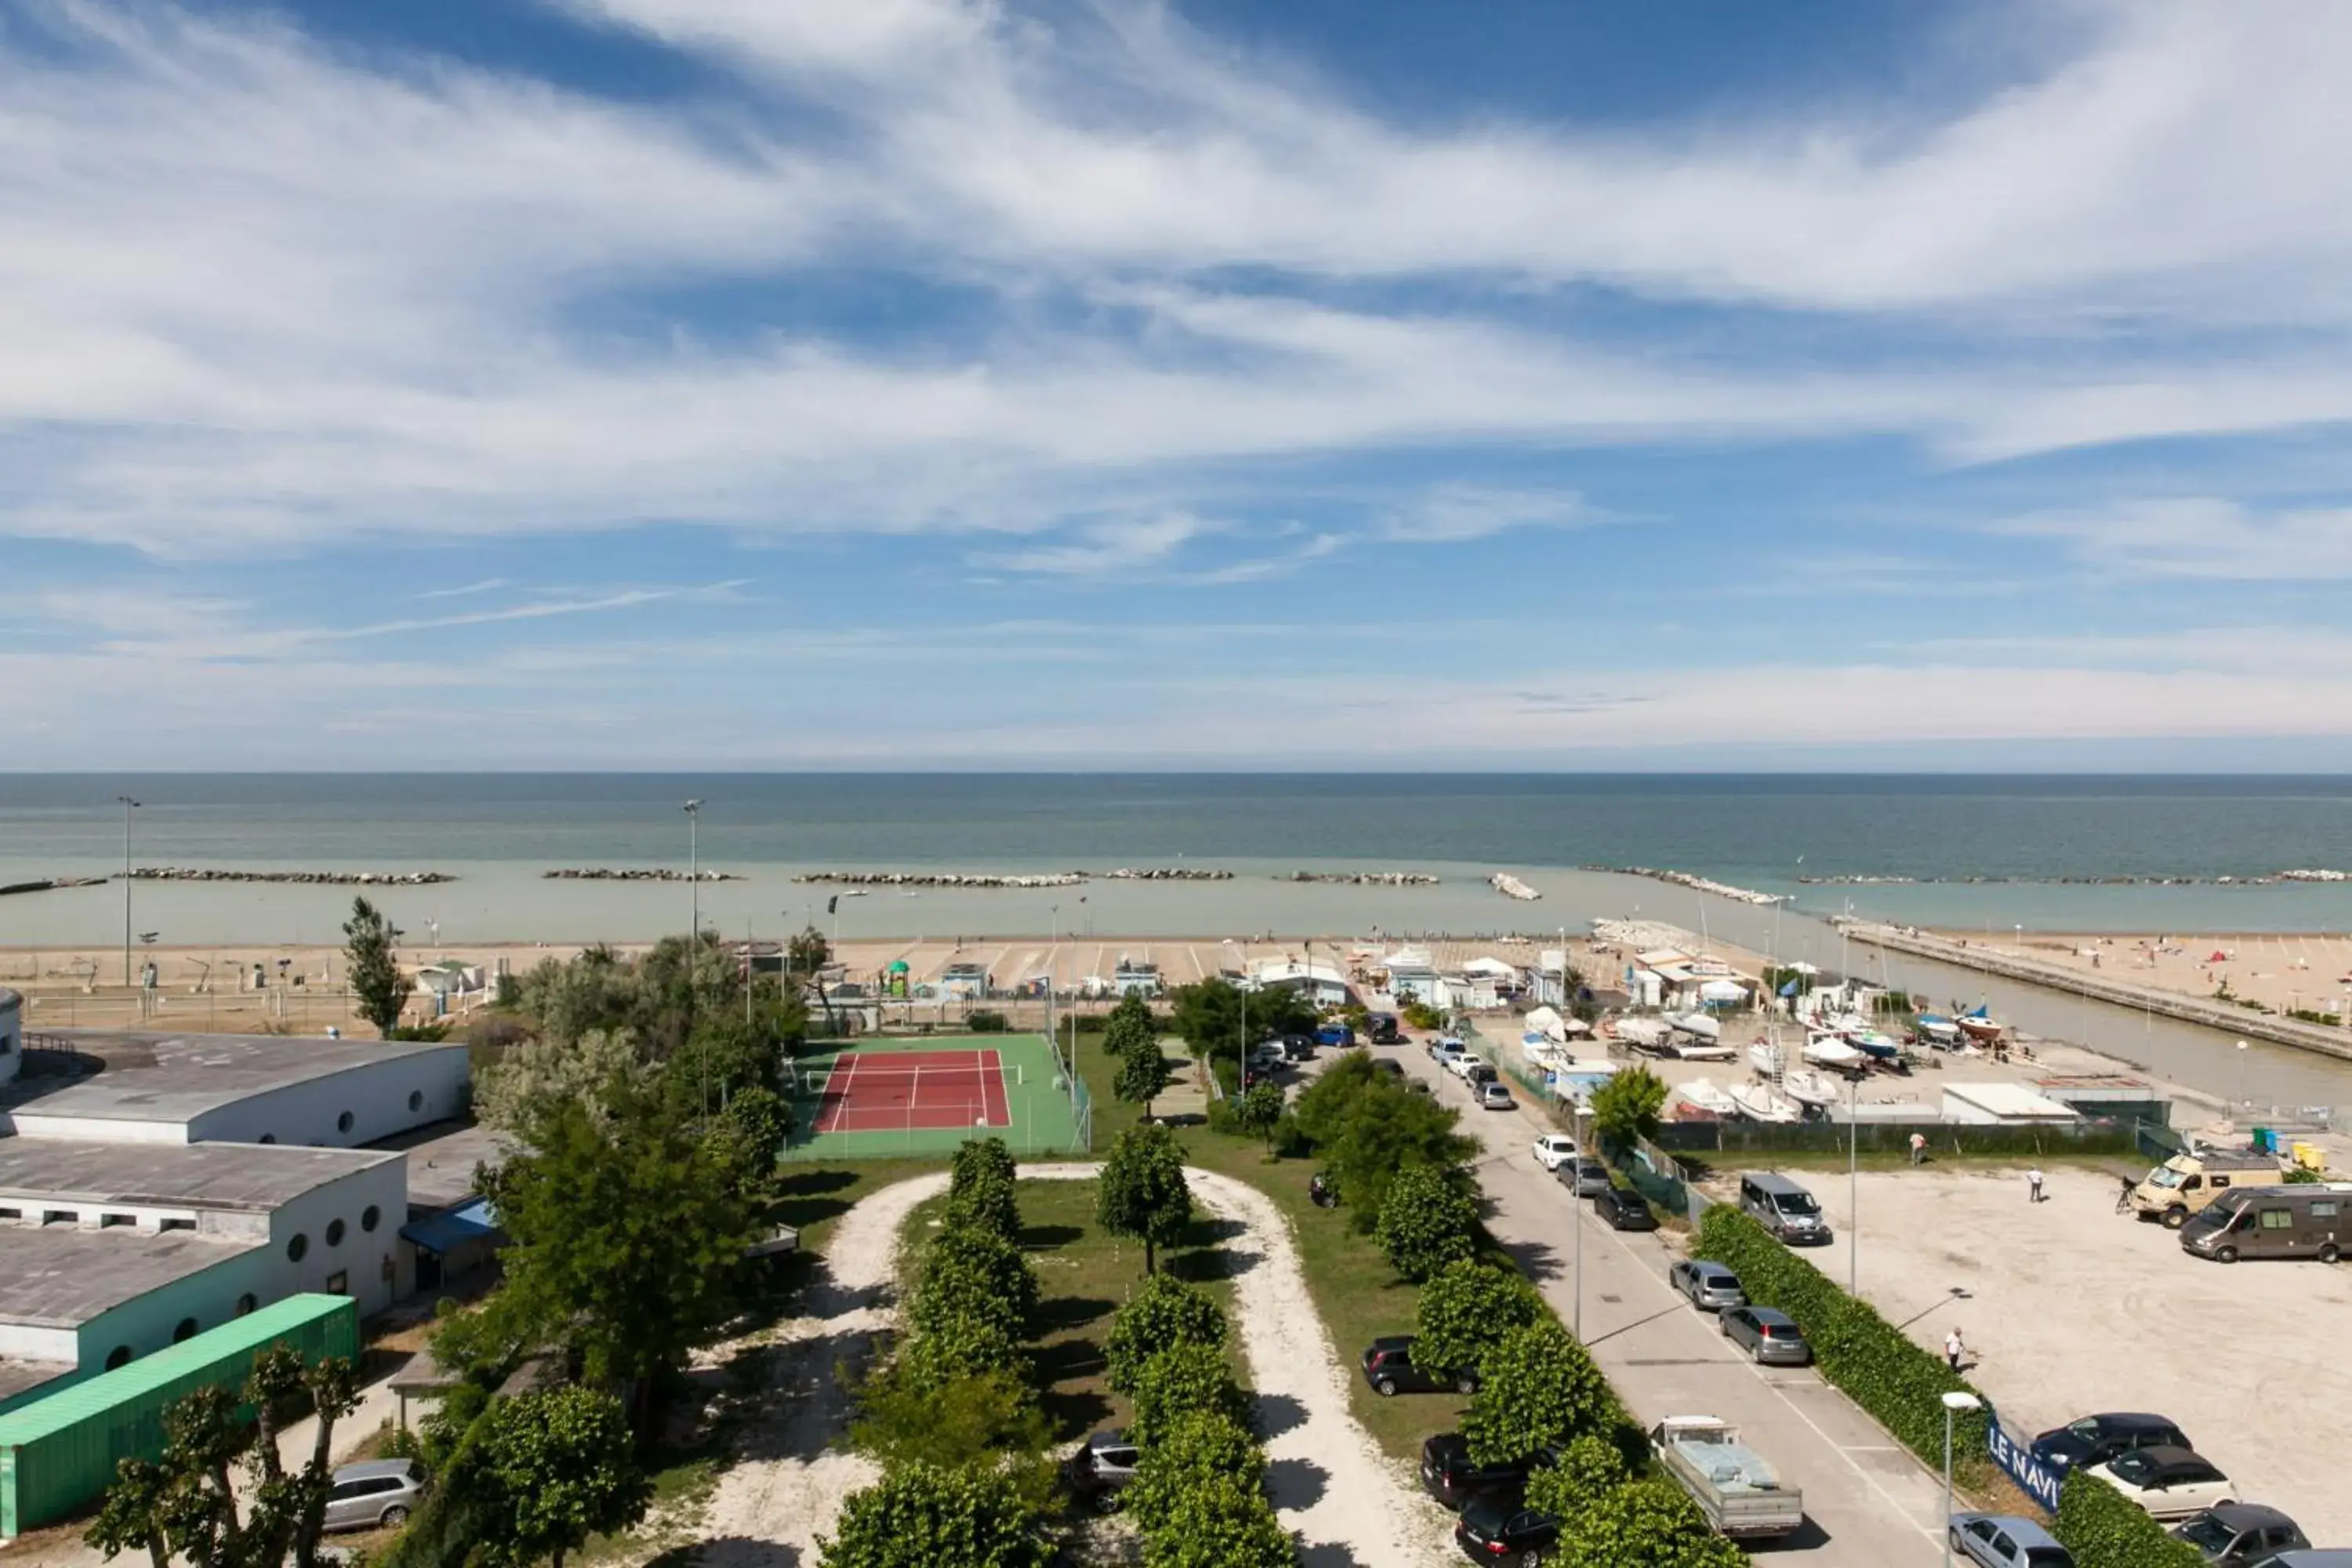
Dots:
pixel 16 1377
pixel 149 1076
pixel 60 1277
pixel 243 1177
pixel 441 1160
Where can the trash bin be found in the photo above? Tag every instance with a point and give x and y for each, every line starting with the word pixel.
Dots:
pixel 2265 1141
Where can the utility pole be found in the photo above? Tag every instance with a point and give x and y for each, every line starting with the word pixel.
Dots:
pixel 128 805
pixel 1576 1202
pixel 693 867
pixel 1853 1189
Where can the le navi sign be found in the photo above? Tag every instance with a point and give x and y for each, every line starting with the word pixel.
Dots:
pixel 2036 1480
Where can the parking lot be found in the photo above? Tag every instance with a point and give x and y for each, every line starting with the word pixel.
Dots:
pixel 2072 1308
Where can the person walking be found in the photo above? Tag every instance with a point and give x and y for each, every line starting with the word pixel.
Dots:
pixel 1918 1148
pixel 2033 1185
pixel 1953 1350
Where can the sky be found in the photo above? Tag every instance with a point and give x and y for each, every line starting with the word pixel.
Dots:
pixel 1335 385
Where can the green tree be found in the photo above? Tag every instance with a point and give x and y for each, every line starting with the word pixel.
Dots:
pixel 1426 1222
pixel 1142 1192
pixel 1390 1130
pixel 751 1134
pixel 1537 1389
pixel 2104 1529
pixel 184 1506
pixel 807 953
pixel 1142 1072
pixel 626 1237
pixel 1465 1309
pixel 1130 1025
pixel 1209 1017
pixel 541 1077
pixel 377 984
pixel 1221 1523
pixel 1585 1469
pixel 1643 1524
pixel 1165 1312
pixel 976 1157
pixel 1259 1112
pixel 989 1201
pixel 1194 1448
pixel 557 1466
pixel 907 1419
pixel 1182 1380
pixel 923 1516
pixel 972 1271
pixel 1627 1105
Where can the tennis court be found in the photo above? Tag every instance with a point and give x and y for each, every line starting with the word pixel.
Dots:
pixel 926 1096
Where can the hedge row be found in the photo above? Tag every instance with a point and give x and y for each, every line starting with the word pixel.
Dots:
pixel 2104 1529
pixel 1899 1382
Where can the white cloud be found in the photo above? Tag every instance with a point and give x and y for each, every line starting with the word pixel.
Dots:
pixel 1452 514
pixel 2203 537
pixel 1106 549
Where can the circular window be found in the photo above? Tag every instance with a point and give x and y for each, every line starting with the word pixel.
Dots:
pixel 267 1138
pixel 334 1233
pixel 343 1122
pixel 369 1217
pixel 184 1332
pixel 296 1248
pixel 416 1100
pixel 245 1304
pixel 119 1356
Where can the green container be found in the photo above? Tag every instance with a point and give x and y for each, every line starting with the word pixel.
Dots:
pixel 57 1454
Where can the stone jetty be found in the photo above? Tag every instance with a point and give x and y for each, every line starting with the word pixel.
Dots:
pixel 305 878
pixel 51 884
pixel 939 879
pixel 1685 879
pixel 1365 879
pixel 1510 886
pixel 636 874
pixel 1167 874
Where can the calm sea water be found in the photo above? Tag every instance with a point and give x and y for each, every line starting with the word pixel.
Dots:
pixel 499 831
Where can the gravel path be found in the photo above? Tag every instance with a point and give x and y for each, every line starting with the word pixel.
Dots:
pixel 1348 1502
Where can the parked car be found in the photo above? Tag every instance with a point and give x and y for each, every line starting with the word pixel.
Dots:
pixel 2095 1439
pixel 1388 1367
pixel 1390 1066
pixel 1442 1046
pixel 1624 1210
pixel 1339 1035
pixel 2169 1482
pixel 1452 1477
pixel 1553 1148
pixel 1267 1055
pixel 1783 1207
pixel 374 1494
pixel 1101 1468
pixel 2308 1557
pixel 1299 1047
pixel 1710 1286
pixel 2006 1541
pixel 1476 1073
pixel 1769 1337
pixel 1503 1530
pixel 1381 1029
pixel 1736 1488
pixel 1584 1177
pixel 1493 1096
pixel 2238 1533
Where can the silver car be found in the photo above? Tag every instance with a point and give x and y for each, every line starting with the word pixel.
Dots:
pixel 374 1493
pixel 1711 1287
pixel 1493 1097
pixel 1772 1338
pixel 2006 1541
pixel 1584 1177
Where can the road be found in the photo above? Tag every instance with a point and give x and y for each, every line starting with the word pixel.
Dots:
pixel 1868 1504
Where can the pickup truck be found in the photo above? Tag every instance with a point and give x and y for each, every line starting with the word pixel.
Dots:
pixel 1738 1492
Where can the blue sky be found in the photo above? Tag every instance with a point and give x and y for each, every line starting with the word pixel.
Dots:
pixel 1337 384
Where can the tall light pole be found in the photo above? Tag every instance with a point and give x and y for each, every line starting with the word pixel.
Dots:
pixel 128 805
pixel 693 867
pixel 1955 1401
pixel 1853 1190
pixel 1576 1202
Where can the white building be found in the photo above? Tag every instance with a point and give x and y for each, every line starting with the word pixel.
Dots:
pixel 1412 974
pixel 2004 1105
pixel 1325 984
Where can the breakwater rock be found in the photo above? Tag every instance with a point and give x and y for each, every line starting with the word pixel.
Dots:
pixel 636 874
pixel 1685 879
pixel 2262 879
pixel 51 884
pixel 304 878
pixel 1365 879
pixel 1167 874
pixel 939 879
pixel 1510 886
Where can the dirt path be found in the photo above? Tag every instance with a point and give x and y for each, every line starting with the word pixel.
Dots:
pixel 1349 1503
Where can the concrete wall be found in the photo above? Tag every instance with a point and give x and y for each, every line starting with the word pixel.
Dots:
pixel 12 1034
pixel 380 1100
pixel 31 1123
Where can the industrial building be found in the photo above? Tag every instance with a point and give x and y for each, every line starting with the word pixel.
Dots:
pixel 12 1034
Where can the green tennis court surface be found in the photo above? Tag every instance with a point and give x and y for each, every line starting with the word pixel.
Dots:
pixel 927 1095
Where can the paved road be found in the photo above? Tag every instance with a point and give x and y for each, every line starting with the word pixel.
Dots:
pixel 1867 1503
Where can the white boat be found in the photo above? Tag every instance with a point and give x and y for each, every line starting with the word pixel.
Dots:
pixel 1704 1025
pixel 1644 1033
pixel 1809 1088
pixel 1765 1057
pixel 1691 1049
pixel 1762 1102
pixel 1829 1051
pixel 1936 1031
pixel 1703 1093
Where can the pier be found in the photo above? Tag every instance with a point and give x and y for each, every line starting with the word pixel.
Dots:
pixel 2206 1011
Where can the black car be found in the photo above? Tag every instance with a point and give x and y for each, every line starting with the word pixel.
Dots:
pixel 1390 1066
pixel 1452 1477
pixel 1381 1029
pixel 1101 1468
pixel 1388 1367
pixel 1624 1210
pixel 2095 1439
pixel 1298 1048
pixel 1503 1530
pixel 2230 1534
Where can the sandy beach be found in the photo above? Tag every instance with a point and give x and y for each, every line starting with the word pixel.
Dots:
pixel 2307 972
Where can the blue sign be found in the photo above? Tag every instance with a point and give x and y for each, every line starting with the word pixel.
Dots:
pixel 2035 1478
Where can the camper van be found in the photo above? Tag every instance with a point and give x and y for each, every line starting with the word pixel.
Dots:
pixel 2309 1219
pixel 1783 1207
pixel 2185 1184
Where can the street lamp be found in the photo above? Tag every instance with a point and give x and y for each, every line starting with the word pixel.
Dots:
pixel 694 866
pixel 2242 1065
pixel 1955 1401
pixel 1852 1188
pixel 128 805
pixel 1576 1202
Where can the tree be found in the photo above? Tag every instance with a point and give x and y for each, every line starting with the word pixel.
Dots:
pixel 1585 1469
pixel 1208 1016
pixel 376 982
pixel 1537 1389
pixel 185 1506
pixel 1465 1310
pixel 1142 1192
pixel 1142 1072
pixel 1162 1315
pixel 1196 1448
pixel 1130 1025
pixel 1627 1105
pixel 808 952
pixel 1426 1222
pixel 1221 1523
pixel 750 1135
pixel 1182 1380
pixel 905 1419
pixel 558 1465
pixel 1389 1130
pixel 1643 1524
pixel 627 1237
pixel 975 1157
pixel 1259 1112
pixel 922 1516
pixel 972 1271
pixel 988 1202
pixel 539 1076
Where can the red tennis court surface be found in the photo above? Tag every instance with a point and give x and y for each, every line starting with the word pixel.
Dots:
pixel 912 1089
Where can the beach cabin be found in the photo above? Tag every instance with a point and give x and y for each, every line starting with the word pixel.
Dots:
pixel 1551 982
pixel 964 982
pixel 1133 977
pixel 1412 974
pixel 1322 984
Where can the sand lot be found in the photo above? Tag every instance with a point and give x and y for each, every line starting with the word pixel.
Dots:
pixel 2074 1309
